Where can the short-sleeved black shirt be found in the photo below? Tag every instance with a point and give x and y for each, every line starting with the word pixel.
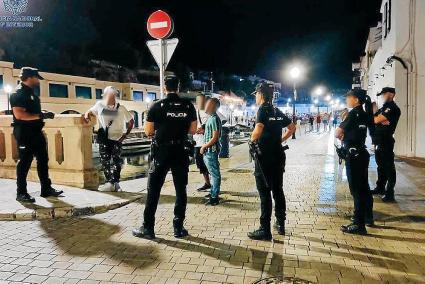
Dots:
pixel 274 121
pixel 172 117
pixel 384 133
pixel 24 97
pixel 355 128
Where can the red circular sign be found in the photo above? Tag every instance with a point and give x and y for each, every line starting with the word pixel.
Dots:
pixel 160 25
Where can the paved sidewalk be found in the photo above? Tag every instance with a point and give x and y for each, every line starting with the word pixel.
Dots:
pixel 73 202
pixel 101 249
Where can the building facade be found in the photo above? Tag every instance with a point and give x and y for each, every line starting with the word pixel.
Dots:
pixel 395 57
pixel 65 94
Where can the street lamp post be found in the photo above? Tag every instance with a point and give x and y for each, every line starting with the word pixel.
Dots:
pixel 295 73
pixel 318 92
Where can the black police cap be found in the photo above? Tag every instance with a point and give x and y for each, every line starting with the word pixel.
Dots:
pixel 28 72
pixel 358 93
pixel 264 88
pixel 387 90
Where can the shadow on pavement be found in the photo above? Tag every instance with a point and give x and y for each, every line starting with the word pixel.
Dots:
pixel 265 261
pixel 89 237
pixel 228 203
pixel 402 262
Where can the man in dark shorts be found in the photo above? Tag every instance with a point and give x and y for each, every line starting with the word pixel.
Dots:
pixel 202 118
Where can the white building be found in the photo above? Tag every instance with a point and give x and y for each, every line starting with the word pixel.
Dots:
pixel 395 57
pixel 63 94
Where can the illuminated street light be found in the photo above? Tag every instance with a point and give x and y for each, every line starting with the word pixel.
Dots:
pixel 319 91
pixel 328 98
pixel 8 89
pixel 289 100
pixel 295 72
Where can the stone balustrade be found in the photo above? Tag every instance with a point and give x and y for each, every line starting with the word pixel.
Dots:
pixel 69 141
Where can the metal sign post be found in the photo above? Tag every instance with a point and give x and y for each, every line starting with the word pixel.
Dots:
pixel 161 68
pixel 162 51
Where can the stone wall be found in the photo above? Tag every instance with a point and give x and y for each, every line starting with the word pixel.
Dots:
pixel 69 141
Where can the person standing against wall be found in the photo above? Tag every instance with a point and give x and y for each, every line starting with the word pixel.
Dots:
pixel 112 118
pixel 27 128
pixel 386 120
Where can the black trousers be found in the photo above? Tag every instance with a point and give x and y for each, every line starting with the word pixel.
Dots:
pixel 110 158
pixel 273 169
pixel 357 175
pixel 31 143
pixel 384 156
pixel 167 158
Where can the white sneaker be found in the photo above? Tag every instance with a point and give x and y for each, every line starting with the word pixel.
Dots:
pixel 107 187
pixel 117 187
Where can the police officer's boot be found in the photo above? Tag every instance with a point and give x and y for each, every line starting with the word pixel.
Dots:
pixel 144 232
pixel 262 234
pixel 280 227
pixel 25 197
pixel 50 191
pixel 179 230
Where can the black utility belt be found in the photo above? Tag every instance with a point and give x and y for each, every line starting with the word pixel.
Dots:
pixel 354 151
pixel 171 143
pixel 355 148
pixel 347 152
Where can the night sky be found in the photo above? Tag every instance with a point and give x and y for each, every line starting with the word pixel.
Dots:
pixel 233 36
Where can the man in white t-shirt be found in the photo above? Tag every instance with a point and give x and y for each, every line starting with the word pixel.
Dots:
pixel 202 118
pixel 112 118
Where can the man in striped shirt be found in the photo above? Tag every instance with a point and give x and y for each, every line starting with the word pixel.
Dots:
pixel 211 149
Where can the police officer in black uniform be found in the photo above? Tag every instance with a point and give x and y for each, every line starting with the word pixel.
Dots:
pixel 270 166
pixel 386 120
pixel 170 121
pixel 27 129
pixel 352 132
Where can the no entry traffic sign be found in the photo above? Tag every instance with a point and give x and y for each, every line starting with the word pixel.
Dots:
pixel 160 25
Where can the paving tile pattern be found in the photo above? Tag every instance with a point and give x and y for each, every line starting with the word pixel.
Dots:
pixel 101 249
